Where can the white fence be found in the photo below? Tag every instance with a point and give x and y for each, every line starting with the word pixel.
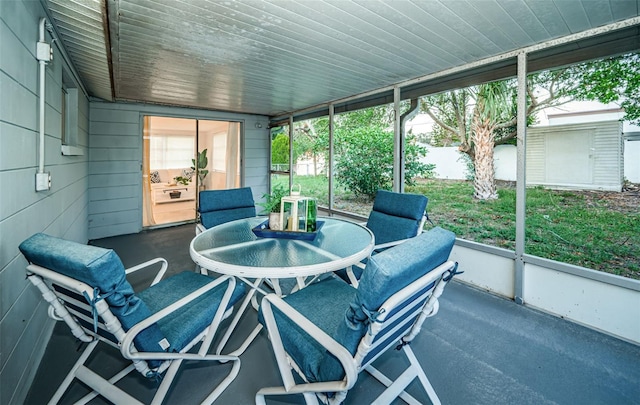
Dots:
pixel 451 165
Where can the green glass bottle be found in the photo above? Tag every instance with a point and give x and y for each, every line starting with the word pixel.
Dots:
pixel 312 212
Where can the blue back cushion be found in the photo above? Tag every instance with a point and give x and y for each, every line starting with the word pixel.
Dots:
pixel 386 274
pixel 215 200
pixel 97 267
pixel 396 216
pixel 219 206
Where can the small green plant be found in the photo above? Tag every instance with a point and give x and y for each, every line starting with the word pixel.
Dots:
pixel 272 201
pixel 182 180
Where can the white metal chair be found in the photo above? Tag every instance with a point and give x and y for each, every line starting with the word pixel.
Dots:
pixel 394 219
pixel 156 329
pixel 330 331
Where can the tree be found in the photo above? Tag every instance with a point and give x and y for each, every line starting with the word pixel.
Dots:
pixel 363 147
pixel 365 160
pixel 612 80
pixel 491 104
pixel 453 111
pixel 311 139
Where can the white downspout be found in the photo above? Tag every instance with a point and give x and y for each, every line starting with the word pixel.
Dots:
pixel 44 55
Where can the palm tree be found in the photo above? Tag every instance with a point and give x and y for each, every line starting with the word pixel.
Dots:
pixel 473 116
pixel 491 103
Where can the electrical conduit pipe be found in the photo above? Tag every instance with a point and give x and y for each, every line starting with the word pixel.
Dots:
pixel 44 55
pixel 42 63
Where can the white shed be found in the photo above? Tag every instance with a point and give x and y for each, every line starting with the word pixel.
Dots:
pixel 576 156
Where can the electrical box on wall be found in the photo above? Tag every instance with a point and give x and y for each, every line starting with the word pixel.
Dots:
pixel 43 181
pixel 44 51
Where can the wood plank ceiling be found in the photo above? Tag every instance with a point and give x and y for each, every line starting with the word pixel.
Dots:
pixel 272 57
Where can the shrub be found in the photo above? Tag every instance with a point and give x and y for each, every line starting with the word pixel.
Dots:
pixel 280 149
pixel 364 160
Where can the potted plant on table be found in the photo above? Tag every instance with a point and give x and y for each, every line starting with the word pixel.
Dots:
pixel 271 205
pixel 182 180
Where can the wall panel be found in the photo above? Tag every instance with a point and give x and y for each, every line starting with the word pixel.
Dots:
pixel 116 161
pixel 605 307
pixel 61 211
pixel 485 267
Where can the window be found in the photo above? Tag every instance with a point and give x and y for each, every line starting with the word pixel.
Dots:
pixel 69 117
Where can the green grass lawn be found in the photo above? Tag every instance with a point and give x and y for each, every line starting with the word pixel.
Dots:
pixel 584 228
pixel 597 230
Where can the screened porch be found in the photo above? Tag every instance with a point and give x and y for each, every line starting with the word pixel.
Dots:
pixel 80 78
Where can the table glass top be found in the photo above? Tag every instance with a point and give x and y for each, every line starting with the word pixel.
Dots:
pixel 234 246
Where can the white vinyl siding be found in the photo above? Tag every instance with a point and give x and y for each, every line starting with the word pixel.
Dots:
pixel 61 211
pixel 590 154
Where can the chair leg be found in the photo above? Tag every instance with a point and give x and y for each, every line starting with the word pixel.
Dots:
pixel 124 372
pixel 234 322
pixel 426 384
pixel 169 376
pixel 72 374
pixel 167 380
pixel 395 389
pixel 224 383
pixel 309 397
pixel 105 388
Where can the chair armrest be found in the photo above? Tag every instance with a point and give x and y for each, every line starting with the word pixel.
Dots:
pixel 352 278
pixel 344 357
pixel 127 341
pixel 200 228
pixel 389 244
pixel 148 263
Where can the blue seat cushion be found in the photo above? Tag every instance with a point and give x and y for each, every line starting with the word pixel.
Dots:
pixel 390 271
pixel 389 228
pixel 394 217
pixel 184 325
pixel 324 303
pixel 99 268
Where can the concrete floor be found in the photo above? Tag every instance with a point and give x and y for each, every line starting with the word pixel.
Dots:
pixel 479 349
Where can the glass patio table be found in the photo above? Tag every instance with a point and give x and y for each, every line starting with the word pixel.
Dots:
pixel 234 249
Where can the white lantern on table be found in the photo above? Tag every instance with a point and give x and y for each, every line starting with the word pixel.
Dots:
pixel 298 213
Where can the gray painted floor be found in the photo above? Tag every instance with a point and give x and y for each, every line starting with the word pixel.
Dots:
pixel 479 349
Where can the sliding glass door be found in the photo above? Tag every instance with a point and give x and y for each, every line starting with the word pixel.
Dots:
pixel 221 141
pixel 182 157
